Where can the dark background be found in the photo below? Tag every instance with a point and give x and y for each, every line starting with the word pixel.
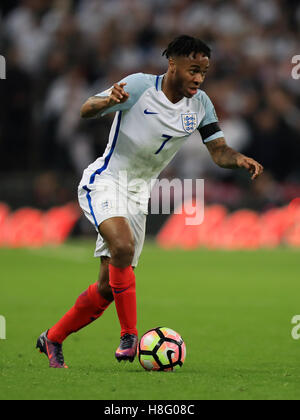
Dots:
pixel 59 53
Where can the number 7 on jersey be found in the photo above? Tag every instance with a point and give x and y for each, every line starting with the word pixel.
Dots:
pixel 165 136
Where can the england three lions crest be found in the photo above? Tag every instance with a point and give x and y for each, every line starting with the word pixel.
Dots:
pixel 189 122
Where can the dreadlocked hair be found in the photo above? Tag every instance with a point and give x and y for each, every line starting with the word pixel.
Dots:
pixel 184 45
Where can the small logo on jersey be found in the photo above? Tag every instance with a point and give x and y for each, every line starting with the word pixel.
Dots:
pixel 189 122
pixel 149 112
pixel 106 205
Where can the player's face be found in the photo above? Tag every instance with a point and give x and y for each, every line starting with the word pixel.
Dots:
pixel 189 73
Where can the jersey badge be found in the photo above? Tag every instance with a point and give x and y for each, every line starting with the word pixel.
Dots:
pixel 189 122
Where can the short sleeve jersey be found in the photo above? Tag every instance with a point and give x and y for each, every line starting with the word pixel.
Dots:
pixel 148 130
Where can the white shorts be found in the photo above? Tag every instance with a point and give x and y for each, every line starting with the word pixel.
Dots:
pixel 103 200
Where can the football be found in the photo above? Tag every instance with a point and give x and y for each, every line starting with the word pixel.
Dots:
pixel 161 349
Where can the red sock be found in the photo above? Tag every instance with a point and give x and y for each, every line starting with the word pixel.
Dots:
pixel 122 282
pixel 89 306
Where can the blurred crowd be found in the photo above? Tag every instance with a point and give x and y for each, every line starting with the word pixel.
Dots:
pixel 60 52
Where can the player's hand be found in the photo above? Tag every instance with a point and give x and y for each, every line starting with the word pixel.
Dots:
pixel 255 168
pixel 118 94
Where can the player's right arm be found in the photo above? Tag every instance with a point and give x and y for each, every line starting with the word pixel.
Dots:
pixel 97 104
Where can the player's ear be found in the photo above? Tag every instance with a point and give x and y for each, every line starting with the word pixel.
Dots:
pixel 172 65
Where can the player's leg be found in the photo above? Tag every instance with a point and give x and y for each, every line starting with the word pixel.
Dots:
pixel 104 287
pixel 121 252
pixel 89 306
pixel 128 342
pixel 120 241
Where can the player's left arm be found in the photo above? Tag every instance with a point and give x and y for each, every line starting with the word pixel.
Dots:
pixel 226 157
pixel 213 137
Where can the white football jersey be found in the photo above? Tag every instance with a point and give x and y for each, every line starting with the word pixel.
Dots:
pixel 147 132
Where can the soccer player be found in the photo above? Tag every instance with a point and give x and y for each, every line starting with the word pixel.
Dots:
pixel 155 115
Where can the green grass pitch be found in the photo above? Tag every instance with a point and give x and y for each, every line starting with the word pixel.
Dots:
pixel 233 309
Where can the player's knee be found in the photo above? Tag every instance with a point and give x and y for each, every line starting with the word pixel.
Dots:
pixel 122 253
pixel 105 291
